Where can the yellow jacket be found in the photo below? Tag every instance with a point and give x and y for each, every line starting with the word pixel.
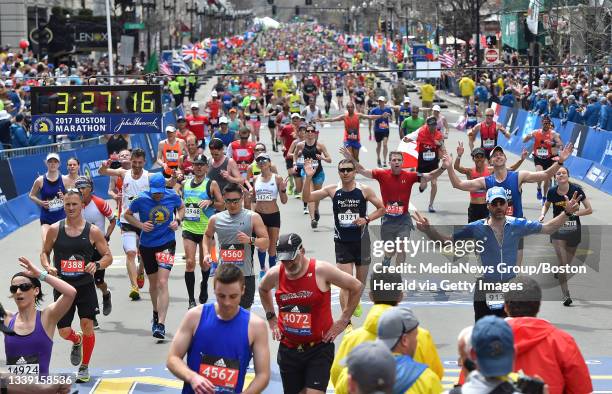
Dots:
pixel 279 84
pixel 428 92
pixel 426 351
pixel 467 86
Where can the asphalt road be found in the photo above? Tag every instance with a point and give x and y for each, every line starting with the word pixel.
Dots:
pixel 126 353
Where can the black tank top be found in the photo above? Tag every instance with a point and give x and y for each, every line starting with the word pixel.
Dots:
pixel 214 173
pixel 72 254
pixel 348 206
pixel 311 152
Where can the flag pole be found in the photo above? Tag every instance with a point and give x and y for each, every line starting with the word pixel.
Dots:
pixel 109 34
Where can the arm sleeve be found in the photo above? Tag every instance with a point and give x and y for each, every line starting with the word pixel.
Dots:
pixel 103 207
pixel 466 232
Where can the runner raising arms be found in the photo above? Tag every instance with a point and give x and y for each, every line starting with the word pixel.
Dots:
pixel 214 365
pixel 351 234
pixel 488 133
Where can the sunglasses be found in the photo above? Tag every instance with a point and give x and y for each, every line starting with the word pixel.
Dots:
pixel 489 116
pixel 260 150
pixel 23 287
pixel 232 200
pixel 345 170
pixel 310 131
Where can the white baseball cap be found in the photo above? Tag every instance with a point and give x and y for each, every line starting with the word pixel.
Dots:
pixel 195 105
pixel 406 99
pixel 52 155
pixel 436 108
pixel 223 119
pixel 214 93
pixel 170 129
pixel 382 98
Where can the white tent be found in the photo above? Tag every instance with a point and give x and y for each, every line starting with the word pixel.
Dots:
pixel 267 22
pixel 450 40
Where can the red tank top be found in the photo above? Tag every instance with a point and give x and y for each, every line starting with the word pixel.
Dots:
pixel 351 127
pixel 170 154
pixel 187 165
pixel 304 310
pixel 243 155
pixel 475 174
pixel 118 188
pixel 488 136
pixel 426 142
pixel 542 147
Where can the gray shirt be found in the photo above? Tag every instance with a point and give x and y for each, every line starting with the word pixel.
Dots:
pixel 229 249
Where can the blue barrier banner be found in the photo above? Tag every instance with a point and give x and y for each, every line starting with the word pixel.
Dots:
pixel 8 224
pixel 606 159
pixel 24 210
pixel 142 141
pixel 578 138
pixel 607 185
pixel 597 145
pixel 596 175
pixel 577 166
pixel 101 187
pixel 26 169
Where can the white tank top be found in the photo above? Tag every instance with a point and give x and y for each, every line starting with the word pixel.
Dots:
pixel 266 191
pixel 131 188
pixel 312 115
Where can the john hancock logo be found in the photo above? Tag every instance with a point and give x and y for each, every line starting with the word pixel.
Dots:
pixel 43 125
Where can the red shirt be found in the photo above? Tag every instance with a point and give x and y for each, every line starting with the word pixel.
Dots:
pixel 286 134
pixel 395 190
pixel 213 106
pixel 243 155
pixel 196 125
pixel 304 311
pixel 426 143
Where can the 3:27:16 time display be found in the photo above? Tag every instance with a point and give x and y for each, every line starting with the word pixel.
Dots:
pixel 142 102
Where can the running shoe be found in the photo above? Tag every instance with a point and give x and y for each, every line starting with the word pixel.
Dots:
pixel 192 304
pixel 107 304
pixel 358 311
pixel 431 209
pixel 379 163
pixel 384 164
pixel 96 325
pixel 317 215
pixel 76 354
pixel 539 194
pixel 305 210
pixel 83 374
pixel 134 293
pixel 314 223
pixel 567 301
pixel 140 280
pixel 160 331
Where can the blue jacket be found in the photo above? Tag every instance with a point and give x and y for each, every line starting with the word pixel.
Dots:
pixel 19 136
pixel 573 115
pixel 481 93
pixel 508 100
pixel 541 106
pixel 40 139
pixel 591 114
pixel 605 117
pixel 557 112
pixel 14 97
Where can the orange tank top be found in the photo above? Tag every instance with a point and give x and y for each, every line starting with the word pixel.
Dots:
pixel 351 127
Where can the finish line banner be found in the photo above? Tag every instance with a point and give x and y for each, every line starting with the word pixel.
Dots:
pixel 97 124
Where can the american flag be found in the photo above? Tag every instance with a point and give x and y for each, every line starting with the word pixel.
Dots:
pixel 447 60
pixel 165 68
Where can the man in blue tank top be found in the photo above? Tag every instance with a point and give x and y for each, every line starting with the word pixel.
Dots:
pixel 221 366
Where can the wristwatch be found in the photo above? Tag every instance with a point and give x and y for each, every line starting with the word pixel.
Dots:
pixel 253 240
pixel 97 266
pixel 270 315
pixel 367 219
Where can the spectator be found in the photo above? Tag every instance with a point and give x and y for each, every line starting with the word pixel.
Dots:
pixel 380 91
pixel 397 329
pixel 604 113
pixel 508 99
pixel 467 86
pixel 541 104
pixel 591 113
pixel 371 369
pixel 5 128
pixel 19 135
pixel 541 348
pixel 572 114
pixel 116 143
pixel 555 109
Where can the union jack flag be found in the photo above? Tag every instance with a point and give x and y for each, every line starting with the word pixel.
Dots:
pixel 189 52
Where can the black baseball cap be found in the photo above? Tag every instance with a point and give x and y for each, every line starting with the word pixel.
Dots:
pixel 287 246
pixel 200 159
pixel 478 151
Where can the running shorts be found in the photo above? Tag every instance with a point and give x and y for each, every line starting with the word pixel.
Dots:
pixel 86 301
pixel 152 261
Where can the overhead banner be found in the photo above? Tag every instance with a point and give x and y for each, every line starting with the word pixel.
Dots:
pixel 87 110
pixel 278 66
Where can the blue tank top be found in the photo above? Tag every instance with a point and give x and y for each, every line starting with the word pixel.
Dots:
pixel 227 138
pixel 48 192
pixel 223 362
pixel 29 353
pixel 511 185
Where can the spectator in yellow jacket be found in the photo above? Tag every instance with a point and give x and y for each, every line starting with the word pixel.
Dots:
pixel 428 91
pixel 466 88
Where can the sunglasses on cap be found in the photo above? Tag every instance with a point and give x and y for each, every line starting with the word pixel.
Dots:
pixel 22 286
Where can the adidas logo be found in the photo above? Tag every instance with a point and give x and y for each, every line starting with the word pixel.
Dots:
pixel 220 363
pixel 21 361
pixel 232 247
pixel 295 309
pixel 72 258
pixel 348 211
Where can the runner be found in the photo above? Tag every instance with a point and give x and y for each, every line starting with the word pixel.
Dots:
pixel 311 113
pixel 488 133
pixel 327 93
pixel 358 97
pixel 381 129
pixel 234 123
pixel 339 91
pixel 133 182
pixel 306 329
pixel 220 366
pixel 266 189
pixel 223 134
pixel 351 233
pixel 169 151
pixel 312 149
pixel 73 166
pixel 182 132
pixel 95 210
pixel 73 242
pixel 212 108
pixel 298 165
pixel 253 113
pixel 223 169
pixel 404 111
pixel 440 120
pixel 500 235
pixel 201 196
pixel 287 135
pixel 47 192
pixel 545 148
pixel 395 189
pixel 115 184
pixel 352 136
pixel 197 123
pixel 411 123
pixel 471 114
pixel 478 204
pixel 34 328
pixel 232 228
pixel 186 161
pixel 254 169
pixel 243 153
pixel 152 213
pixel 568 237
pixel 273 109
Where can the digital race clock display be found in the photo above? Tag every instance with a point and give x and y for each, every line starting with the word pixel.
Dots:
pixel 125 109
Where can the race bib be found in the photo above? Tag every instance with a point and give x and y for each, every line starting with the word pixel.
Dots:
pixel 72 267
pixel 394 209
pixel 510 210
pixel 172 155
pixel 241 152
pixel 383 125
pixel 243 167
pixel 192 213
pixel 23 365
pixel 296 319
pixel 253 116
pixel 488 143
pixel 165 259
pixel 346 219
pixel 221 371
pixel 232 253
pixel 57 204
pixel 542 152
pixel 429 155
pixel 263 195
pixel 495 301
pixel 569 226
pixel 300 161
pixel 353 134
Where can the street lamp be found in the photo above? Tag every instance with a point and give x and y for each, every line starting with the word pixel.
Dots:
pixel 190 11
pixel 147 5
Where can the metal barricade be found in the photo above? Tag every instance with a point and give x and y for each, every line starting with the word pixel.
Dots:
pixel 57 147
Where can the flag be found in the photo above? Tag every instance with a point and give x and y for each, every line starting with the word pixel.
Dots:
pixel 409 151
pixel 152 64
pixel 189 52
pixel 532 16
pixel 447 60
pixel 165 68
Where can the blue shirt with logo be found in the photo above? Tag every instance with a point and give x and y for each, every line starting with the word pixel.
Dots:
pixel 160 213
pixel 381 125
pixel 494 253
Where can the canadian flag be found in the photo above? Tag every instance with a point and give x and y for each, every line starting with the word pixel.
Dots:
pixel 409 151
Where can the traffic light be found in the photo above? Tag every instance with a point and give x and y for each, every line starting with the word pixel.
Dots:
pixel 274 10
pixel 382 26
pixel 297 10
pixel 270 2
pixel 308 2
pixel 389 27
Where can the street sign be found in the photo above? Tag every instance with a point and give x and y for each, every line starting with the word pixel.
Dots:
pixel 491 55
pixel 133 26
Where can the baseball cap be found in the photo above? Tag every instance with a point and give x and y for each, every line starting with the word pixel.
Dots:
pixel 262 157
pixel 170 129
pixel 157 183
pixel 52 155
pixel 287 246
pixel 195 105
pixel 223 119
pixel 406 99
pixel 382 98
pixel 435 108
pixel 214 93
pixel 372 366
pixel 233 110
pixel 181 118
pixel 295 115
pixel 83 181
pixel 432 121
pixel 496 192
pixel 394 323
pixel 493 342
pixel 478 151
pixel 200 159
pixel 498 148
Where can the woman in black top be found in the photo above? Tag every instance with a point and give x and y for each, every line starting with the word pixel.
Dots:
pixel 567 238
